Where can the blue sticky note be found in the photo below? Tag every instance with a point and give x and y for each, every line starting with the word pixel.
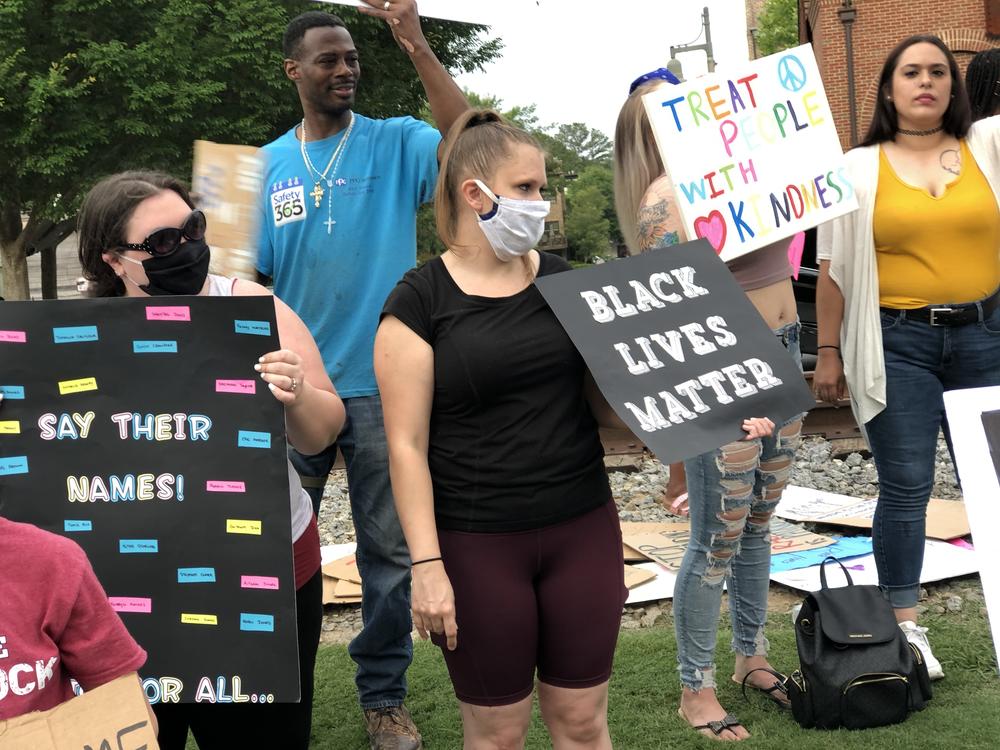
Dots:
pixel 255 327
pixel 12 391
pixel 249 439
pixel 74 334
pixel 154 347
pixel 77 525
pixel 196 575
pixel 13 465
pixel 848 546
pixel 259 623
pixel 147 546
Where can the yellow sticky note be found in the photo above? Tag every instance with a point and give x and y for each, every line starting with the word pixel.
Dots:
pixel 77 386
pixel 10 428
pixel 189 619
pixel 237 526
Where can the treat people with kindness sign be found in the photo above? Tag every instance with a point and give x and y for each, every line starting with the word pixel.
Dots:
pixel 753 154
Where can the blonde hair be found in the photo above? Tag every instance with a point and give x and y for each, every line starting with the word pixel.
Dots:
pixel 479 140
pixel 637 162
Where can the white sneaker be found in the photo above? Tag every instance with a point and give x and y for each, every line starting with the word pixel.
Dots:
pixel 917 635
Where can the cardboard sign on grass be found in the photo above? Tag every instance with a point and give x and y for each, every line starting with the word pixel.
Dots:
pixel 114 715
pixel 676 347
pixel 752 152
pixel 974 418
pixel 140 430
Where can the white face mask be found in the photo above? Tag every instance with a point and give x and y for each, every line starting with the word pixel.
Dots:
pixel 513 227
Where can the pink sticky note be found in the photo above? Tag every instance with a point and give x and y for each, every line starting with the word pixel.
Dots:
pixel 258 582
pixel 180 314
pixel 13 337
pixel 236 386
pixel 795 253
pixel 223 486
pixel 130 604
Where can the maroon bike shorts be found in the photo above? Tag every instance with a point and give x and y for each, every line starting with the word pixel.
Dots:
pixel 548 599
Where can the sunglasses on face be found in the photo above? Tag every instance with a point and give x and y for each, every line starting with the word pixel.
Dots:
pixel 165 241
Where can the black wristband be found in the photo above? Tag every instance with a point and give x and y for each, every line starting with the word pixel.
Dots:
pixel 425 560
pixel 828 346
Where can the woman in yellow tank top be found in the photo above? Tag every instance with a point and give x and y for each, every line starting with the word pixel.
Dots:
pixel 923 253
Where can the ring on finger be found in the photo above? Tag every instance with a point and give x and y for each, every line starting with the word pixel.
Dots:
pixel 295 384
pixel 386 5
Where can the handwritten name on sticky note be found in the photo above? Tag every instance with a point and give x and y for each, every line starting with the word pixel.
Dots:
pixel 130 604
pixel 140 546
pixel 12 391
pixel 193 619
pixel 10 427
pixel 254 327
pixel 69 525
pixel 259 623
pixel 248 439
pixel 74 334
pixel 240 526
pixel 215 485
pixel 13 465
pixel 235 386
pixel 13 337
pixel 196 575
pixel 180 314
pixel 259 582
pixel 66 387
pixel 154 347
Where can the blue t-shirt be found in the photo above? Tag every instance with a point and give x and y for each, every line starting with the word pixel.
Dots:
pixel 337 276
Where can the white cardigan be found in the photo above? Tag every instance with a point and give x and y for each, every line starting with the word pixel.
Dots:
pixel 848 243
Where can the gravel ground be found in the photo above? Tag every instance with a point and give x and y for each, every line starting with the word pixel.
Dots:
pixel 637 496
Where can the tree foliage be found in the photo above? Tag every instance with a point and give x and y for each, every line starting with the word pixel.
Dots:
pixel 92 87
pixel 778 26
pixel 587 228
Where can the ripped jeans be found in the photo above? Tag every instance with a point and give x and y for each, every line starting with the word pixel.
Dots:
pixel 732 493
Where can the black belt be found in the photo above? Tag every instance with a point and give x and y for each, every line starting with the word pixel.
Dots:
pixel 950 315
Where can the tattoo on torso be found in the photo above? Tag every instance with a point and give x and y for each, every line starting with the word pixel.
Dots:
pixel 951 161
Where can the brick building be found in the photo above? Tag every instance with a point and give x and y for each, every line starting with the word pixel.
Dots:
pixel 754 8
pixel 875 26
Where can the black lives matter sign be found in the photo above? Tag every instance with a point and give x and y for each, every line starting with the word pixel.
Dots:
pixel 676 347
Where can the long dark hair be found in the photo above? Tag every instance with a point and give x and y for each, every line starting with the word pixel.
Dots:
pixel 982 81
pixel 103 219
pixel 885 122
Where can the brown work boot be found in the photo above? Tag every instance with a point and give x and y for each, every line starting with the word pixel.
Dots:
pixel 391 728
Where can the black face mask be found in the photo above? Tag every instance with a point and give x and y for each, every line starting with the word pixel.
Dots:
pixel 182 272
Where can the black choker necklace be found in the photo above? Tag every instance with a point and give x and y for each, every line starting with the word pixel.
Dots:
pixel 932 131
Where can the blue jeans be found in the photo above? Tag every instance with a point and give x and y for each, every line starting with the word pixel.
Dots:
pixel 921 362
pixel 732 493
pixel 383 649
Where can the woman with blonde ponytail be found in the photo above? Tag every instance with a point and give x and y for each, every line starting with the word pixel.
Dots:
pixel 496 464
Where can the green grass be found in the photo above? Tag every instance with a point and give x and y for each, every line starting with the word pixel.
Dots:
pixel 965 712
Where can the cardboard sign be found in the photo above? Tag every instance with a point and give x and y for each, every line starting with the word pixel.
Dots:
pixel 974 418
pixel 226 180
pixel 345 568
pixel 941 561
pixel 753 153
pixel 636 576
pixel 676 347
pixel 632 528
pixel 146 436
pixel 660 587
pixel 946 519
pixel 114 715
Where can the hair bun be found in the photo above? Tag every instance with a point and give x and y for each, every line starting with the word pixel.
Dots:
pixel 481 117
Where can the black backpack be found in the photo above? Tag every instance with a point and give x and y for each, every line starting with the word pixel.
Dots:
pixel 857 669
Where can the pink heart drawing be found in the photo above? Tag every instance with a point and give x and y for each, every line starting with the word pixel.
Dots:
pixel 712 228
pixel 795 253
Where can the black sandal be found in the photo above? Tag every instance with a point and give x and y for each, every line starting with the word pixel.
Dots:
pixel 715 727
pixel 770 693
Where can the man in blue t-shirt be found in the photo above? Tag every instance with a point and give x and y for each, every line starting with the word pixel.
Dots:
pixel 341 193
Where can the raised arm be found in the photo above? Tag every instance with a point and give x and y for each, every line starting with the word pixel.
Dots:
pixel 660 222
pixel 446 99
pixel 404 368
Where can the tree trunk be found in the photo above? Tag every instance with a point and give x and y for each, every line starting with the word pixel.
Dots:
pixel 50 285
pixel 15 269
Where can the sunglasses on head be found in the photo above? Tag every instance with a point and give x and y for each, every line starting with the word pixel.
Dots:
pixel 165 241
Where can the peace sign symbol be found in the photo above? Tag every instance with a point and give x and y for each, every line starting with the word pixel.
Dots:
pixel 791 73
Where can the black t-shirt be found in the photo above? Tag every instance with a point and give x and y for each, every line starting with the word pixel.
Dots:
pixel 513 444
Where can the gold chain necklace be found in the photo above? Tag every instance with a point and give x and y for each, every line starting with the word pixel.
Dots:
pixel 320 177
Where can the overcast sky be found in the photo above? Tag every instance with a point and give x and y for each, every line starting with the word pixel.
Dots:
pixel 575 59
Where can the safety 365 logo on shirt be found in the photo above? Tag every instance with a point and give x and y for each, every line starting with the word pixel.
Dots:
pixel 288 201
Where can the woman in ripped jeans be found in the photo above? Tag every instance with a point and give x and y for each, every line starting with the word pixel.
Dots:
pixel 732 491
